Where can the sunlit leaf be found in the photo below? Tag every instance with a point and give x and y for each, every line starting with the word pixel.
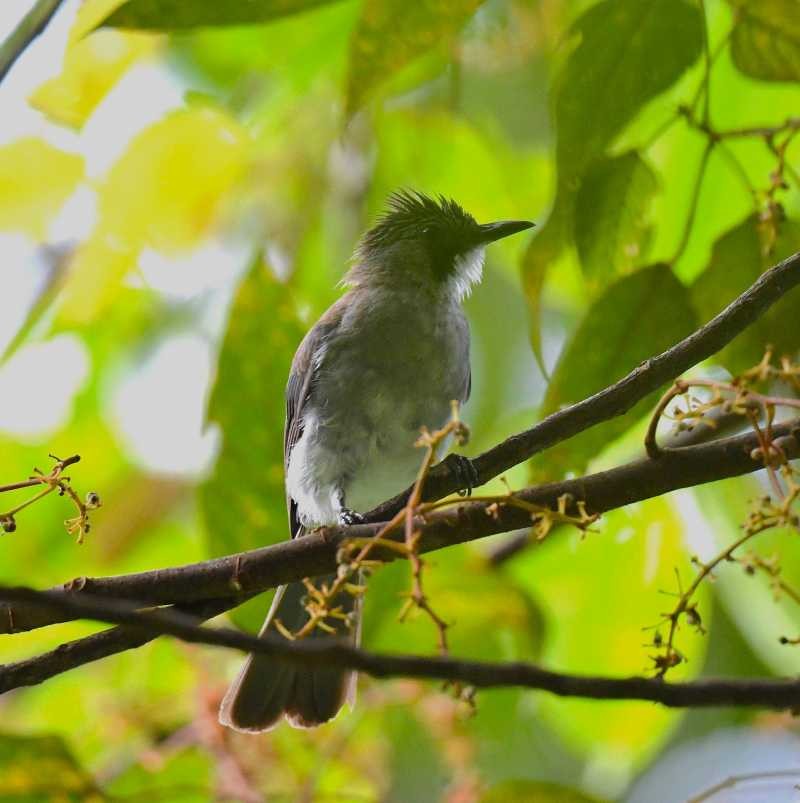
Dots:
pixel 638 317
pixel 57 259
pixel 38 769
pixel 35 180
pixel 598 593
pixel 91 68
pixel 176 15
pixel 629 52
pixel 539 791
pixel 391 33
pixel 611 215
pixel 737 260
pixel 765 41
pixel 167 191
pixel 243 501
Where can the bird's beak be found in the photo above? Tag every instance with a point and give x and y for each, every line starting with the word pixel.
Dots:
pixel 489 232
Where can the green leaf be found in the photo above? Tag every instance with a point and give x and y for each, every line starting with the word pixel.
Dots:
pixel 178 15
pixel 392 33
pixel 611 215
pixel 490 617
pixel 528 791
pixel 243 501
pixel 629 52
pixel 39 769
pixel 597 593
pixel 765 41
pixel 737 260
pixel 637 317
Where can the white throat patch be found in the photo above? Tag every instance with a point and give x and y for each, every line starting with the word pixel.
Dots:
pixel 468 271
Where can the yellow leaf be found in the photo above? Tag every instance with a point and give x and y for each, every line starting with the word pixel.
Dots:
pixel 95 274
pixel 165 192
pixel 167 189
pixel 35 180
pixel 92 65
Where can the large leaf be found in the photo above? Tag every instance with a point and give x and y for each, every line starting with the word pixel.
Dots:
pixel 629 52
pixel 598 593
pixel 765 41
pixel 637 317
pixel 243 501
pixel 92 65
pixel 611 215
pixel 35 181
pixel 38 769
pixel 391 33
pixel 161 194
pixel 737 260
pixel 177 15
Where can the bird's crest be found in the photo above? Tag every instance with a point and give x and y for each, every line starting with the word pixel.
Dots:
pixel 413 214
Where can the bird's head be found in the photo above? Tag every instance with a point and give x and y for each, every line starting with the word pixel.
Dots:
pixel 432 241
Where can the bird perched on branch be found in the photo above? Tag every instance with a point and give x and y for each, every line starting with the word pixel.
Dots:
pixel 385 360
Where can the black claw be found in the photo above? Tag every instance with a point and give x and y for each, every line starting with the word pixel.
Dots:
pixel 465 473
pixel 348 517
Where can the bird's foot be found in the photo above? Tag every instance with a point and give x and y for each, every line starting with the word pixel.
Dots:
pixel 463 469
pixel 348 517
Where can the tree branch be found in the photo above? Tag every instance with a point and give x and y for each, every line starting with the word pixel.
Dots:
pixel 316 553
pixel 142 626
pixel 31 25
pixel 618 398
pixel 79 652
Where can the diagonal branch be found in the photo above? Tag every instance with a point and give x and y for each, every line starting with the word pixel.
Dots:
pixel 31 25
pixel 142 626
pixel 618 398
pixel 315 554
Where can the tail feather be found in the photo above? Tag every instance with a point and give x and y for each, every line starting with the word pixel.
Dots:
pixel 265 689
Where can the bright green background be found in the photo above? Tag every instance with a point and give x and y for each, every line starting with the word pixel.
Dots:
pixel 298 118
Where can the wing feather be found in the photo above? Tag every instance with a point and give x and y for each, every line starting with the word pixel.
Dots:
pixel 302 379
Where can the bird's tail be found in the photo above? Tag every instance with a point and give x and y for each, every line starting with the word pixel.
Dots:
pixel 266 689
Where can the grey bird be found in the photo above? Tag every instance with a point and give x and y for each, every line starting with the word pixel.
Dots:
pixel 385 360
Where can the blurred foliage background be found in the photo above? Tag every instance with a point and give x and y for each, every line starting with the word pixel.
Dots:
pixel 180 191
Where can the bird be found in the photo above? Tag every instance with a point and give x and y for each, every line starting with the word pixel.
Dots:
pixel 384 361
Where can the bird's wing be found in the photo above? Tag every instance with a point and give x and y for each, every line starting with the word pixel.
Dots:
pixel 302 377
